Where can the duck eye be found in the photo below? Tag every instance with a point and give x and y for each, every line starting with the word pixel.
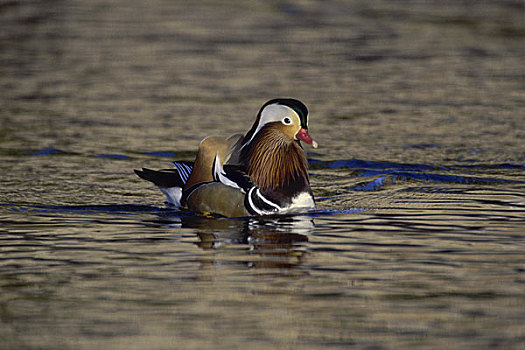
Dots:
pixel 287 121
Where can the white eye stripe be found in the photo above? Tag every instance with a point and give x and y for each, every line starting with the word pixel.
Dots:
pixel 272 113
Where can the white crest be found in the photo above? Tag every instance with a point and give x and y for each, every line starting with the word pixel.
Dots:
pixel 272 113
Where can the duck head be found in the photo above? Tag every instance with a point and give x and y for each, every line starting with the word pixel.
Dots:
pixel 272 150
pixel 285 116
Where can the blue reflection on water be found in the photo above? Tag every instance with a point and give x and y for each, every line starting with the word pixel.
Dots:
pixel 130 209
pixel 113 156
pixel 404 172
pixel 44 151
pixel 161 154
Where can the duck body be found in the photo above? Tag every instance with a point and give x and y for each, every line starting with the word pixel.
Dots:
pixel 264 172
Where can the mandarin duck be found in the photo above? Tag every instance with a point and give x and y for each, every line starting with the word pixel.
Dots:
pixel 264 172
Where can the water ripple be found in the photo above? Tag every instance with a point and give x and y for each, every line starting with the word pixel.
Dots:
pixel 384 173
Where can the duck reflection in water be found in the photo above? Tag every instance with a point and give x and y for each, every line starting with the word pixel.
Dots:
pixel 272 242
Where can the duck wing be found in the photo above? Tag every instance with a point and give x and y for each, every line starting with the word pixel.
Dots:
pixel 167 178
pixel 235 176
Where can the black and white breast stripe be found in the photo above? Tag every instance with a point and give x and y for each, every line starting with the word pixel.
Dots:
pixel 254 200
pixel 257 204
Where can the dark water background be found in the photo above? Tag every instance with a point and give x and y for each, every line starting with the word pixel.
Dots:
pixel 419 240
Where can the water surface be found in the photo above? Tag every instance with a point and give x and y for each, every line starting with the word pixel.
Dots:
pixel 418 240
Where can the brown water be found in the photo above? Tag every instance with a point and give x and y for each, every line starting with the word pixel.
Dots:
pixel 418 241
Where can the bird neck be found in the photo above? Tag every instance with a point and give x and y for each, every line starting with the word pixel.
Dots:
pixel 277 164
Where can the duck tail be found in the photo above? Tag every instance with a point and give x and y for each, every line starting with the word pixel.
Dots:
pixel 169 181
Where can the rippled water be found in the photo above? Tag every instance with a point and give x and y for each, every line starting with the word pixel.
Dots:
pixel 418 240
